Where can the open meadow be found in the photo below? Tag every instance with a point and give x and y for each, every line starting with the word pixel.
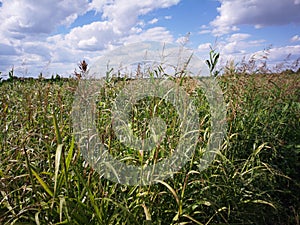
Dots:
pixel 254 178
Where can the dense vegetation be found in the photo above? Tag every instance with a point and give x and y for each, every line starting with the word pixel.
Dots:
pixel 254 179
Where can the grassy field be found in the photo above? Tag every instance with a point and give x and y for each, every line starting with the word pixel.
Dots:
pixel 254 179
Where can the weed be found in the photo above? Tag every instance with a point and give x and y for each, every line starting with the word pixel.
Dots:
pixel 253 180
pixel 212 62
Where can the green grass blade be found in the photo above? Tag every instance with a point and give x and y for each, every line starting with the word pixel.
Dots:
pixel 70 153
pixel 171 190
pixel 259 201
pixel 192 219
pixel 57 163
pixel 56 127
pixel 42 183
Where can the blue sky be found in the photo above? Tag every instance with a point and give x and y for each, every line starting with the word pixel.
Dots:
pixel 52 36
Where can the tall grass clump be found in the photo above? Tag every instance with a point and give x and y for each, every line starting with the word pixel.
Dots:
pixel 254 178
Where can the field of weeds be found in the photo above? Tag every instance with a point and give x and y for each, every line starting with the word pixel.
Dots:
pixel 254 178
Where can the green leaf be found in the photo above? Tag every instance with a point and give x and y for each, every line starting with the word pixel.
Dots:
pixel 258 201
pixel 171 190
pixel 70 153
pixel 57 131
pixel 192 219
pixel 208 63
pixel 57 163
pixel 42 183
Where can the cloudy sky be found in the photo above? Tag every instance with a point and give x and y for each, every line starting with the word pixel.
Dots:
pixel 52 36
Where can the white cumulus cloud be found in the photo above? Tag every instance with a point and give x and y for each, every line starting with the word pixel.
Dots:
pixel 153 34
pixel 124 15
pixel 295 38
pixel 257 13
pixel 28 30
pixel 29 17
pixel 153 21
